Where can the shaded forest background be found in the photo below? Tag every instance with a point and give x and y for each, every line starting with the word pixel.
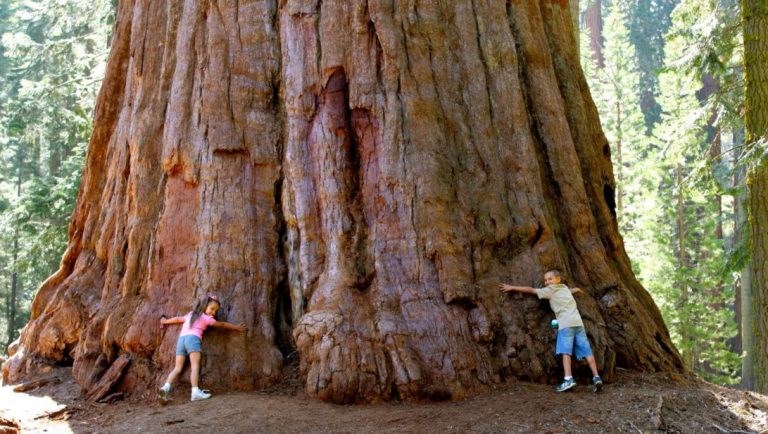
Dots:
pixel 666 76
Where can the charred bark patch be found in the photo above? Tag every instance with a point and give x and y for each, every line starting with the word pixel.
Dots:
pixel 282 299
pixel 609 195
pixel 602 291
pixel 230 152
pixel 435 394
pixel 537 235
pixel 509 248
pixel 283 319
pixel 666 347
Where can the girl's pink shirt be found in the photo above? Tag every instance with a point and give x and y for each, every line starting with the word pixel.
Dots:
pixel 197 329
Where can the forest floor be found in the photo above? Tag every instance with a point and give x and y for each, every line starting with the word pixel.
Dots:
pixel 633 403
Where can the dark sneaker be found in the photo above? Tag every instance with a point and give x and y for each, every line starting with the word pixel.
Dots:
pixel 163 396
pixel 597 383
pixel 566 385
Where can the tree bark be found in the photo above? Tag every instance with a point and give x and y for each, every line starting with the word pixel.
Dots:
pixel 354 179
pixel 683 263
pixel 619 165
pixel 743 299
pixel 14 293
pixel 593 21
pixel 755 22
pixel 575 10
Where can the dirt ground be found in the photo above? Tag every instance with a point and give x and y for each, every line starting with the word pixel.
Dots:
pixel 634 403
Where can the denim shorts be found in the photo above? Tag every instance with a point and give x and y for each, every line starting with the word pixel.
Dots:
pixel 573 340
pixel 188 344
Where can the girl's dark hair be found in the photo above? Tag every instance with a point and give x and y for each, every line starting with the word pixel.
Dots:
pixel 200 306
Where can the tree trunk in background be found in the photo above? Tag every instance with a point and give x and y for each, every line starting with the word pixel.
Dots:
pixel 746 334
pixel 710 86
pixel 14 293
pixel 620 165
pixel 755 22
pixel 593 21
pixel 683 263
pixel 743 301
pixel 353 179
pixel 575 9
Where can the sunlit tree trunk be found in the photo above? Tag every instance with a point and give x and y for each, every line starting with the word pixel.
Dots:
pixel 619 164
pixel 354 179
pixel 755 22
pixel 683 263
pixel 593 21
pixel 14 290
pixel 574 4
pixel 743 297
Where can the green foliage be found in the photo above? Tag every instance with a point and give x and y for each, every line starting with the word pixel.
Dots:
pixel 648 22
pixel 676 218
pixel 52 56
pixel 615 89
pixel 702 47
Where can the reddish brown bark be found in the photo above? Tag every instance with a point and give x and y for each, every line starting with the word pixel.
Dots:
pixel 354 179
pixel 593 21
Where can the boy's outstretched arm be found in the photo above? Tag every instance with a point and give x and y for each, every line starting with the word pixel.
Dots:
pixel 230 326
pixel 503 287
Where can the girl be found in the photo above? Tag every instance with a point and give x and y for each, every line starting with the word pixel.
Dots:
pixel 190 342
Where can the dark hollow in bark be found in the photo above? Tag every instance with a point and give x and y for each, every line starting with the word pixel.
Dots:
pixel 353 178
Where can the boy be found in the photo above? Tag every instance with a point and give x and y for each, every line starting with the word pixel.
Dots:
pixel 571 337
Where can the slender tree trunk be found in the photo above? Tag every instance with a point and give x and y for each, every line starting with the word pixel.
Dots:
pixel 7 316
pixel 574 4
pixel 755 22
pixel 593 20
pixel 709 87
pixel 12 299
pixel 743 339
pixel 619 166
pixel 682 264
pixel 747 320
pixel 12 303
pixel 354 178
pixel 714 137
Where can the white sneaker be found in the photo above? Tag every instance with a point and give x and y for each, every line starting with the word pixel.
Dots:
pixel 164 396
pixel 198 395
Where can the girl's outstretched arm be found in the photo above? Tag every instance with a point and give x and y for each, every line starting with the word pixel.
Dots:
pixel 174 320
pixel 230 326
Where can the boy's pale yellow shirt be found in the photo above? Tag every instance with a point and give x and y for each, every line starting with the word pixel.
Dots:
pixel 563 304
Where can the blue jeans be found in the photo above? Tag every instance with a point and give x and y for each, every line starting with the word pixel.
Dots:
pixel 188 344
pixel 573 341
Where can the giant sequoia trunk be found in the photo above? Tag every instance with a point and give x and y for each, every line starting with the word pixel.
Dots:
pixel 353 178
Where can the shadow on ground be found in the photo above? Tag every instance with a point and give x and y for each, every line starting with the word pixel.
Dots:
pixel 635 403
